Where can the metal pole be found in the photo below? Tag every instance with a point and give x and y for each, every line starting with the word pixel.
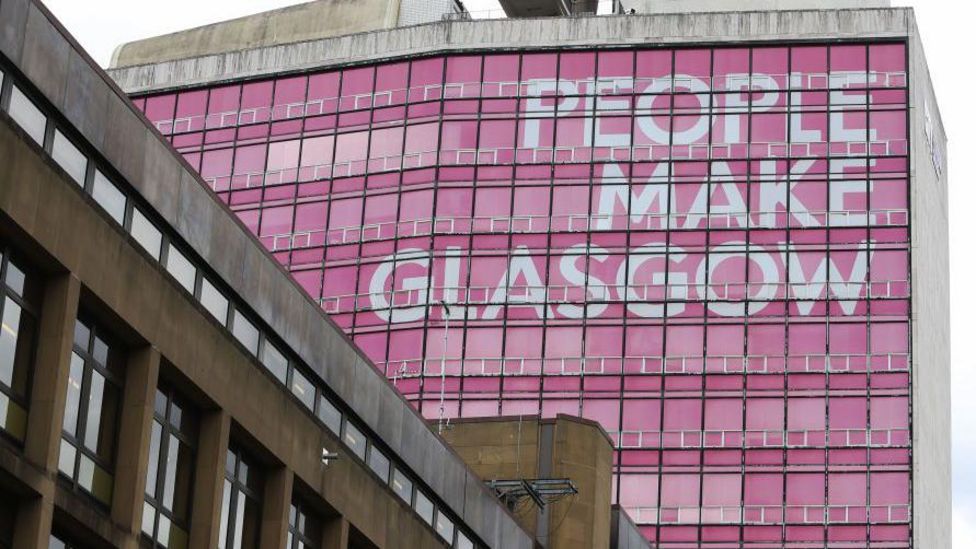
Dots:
pixel 447 322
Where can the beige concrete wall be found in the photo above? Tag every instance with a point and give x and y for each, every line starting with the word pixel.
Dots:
pixel 502 448
pixel 516 448
pixel 311 21
pixel 582 452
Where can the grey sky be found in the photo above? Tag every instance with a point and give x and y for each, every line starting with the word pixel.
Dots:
pixel 100 25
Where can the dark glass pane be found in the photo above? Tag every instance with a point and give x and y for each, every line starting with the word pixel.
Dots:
pixel 152 472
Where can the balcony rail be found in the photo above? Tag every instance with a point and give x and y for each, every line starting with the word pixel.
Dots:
pixel 575 366
pixel 589 87
pixel 773 514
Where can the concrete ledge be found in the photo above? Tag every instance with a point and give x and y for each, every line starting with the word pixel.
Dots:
pixel 309 21
pixel 518 34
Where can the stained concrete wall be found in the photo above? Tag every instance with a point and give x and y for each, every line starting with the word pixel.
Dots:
pixel 688 6
pixel 528 448
pixel 518 34
pixel 931 364
pixel 45 215
pixel 32 39
pixel 309 21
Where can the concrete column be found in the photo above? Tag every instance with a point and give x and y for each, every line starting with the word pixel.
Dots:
pixel 141 377
pixel 335 534
pixel 59 310
pixel 277 503
pixel 208 486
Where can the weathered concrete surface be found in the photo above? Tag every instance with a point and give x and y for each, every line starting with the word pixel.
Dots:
pixel 309 21
pixel 72 83
pixel 931 360
pixel 518 35
pixel 45 214
pixel 528 448
pixel 688 6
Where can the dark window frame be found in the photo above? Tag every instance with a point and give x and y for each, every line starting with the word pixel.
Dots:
pixel 25 300
pixel 187 435
pixel 250 489
pixel 112 375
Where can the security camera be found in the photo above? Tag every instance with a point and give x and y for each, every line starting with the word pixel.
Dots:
pixel 328 457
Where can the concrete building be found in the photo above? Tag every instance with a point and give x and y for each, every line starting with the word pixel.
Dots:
pixel 718 229
pixel 163 381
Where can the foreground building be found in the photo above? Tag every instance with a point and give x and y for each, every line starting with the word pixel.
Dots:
pixel 719 233
pixel 163 381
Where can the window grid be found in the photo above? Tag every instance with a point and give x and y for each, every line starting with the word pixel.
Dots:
pixel 88 438
pixel 304 529
pixel 240 519
pixel 447 221
pixel 18 318
pixel 168 500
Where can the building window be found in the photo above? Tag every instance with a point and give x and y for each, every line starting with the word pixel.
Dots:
pixel 355 440
pixel 275 361
pixel 56 541
pixel 8 515
pixel 26 114
pixel 72 160
pixel 91 413
pixel 379 463
pixel 329 415
pixel 109 197
pixel 245 332
pixel 18 320
pixel 463 542
pixel 303 389
pixel 213 301
pixel 166 512
pixel 304 531
pixel 402 485
pixel 444 527
pixel 181 268
pixel 424 507
pixel 145 233
pixel 240 513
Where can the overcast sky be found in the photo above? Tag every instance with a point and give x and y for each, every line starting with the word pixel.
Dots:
pixel 101 25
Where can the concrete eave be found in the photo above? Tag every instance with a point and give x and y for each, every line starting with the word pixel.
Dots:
pixel 519 34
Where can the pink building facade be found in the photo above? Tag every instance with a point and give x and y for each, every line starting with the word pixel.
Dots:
pixel 705 249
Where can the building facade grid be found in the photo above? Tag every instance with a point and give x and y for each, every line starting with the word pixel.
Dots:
pixel 705 249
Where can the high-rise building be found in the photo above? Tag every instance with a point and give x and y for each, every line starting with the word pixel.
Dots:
pixel 716 228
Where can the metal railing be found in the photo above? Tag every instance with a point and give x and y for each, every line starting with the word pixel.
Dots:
pixel 584 365
pixel 629 85
pixel 773 514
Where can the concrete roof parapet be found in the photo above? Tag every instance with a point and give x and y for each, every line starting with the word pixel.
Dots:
pixel 515 34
